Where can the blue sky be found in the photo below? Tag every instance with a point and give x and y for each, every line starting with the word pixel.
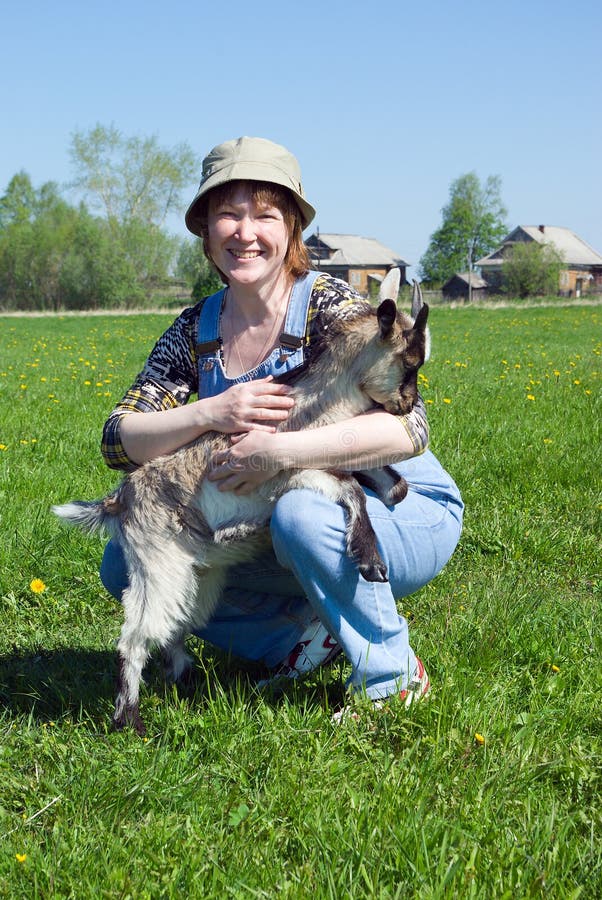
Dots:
pixel 384 103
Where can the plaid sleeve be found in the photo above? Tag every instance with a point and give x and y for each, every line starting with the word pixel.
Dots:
pixel 417 427
pixel 167 380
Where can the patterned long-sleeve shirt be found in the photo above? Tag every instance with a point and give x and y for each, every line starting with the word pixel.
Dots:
pixel 170 375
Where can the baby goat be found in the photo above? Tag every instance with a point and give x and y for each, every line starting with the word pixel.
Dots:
pixel 179 533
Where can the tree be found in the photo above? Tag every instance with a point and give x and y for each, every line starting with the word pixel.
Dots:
pixel 531 269
pixel 36 230
pixel 130 178
pixel 56 256
pixel 136 184
pixel 19 202
pixel 194 267
pixel 473 224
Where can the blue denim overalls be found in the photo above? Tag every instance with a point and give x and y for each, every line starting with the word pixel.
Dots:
pixel 288 355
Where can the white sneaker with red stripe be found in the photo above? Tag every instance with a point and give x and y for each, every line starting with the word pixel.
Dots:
pixel 315 648
pixel 418 689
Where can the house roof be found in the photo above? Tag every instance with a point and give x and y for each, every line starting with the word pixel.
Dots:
pixel 473 279
pixel 353 250
pixel 574 250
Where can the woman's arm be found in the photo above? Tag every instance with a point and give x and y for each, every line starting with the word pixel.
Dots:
pixel 249 406
pixel 162 391
pixel 373 439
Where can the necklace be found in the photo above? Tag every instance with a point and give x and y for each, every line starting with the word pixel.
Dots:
pixel 267 344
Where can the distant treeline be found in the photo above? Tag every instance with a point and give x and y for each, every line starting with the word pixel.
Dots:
pixel 55 256
pixel 111 249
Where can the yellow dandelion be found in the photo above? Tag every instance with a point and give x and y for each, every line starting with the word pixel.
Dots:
pixel 3 447
pixel 577 381
pixel 37 586
pixel 530 397
pixel 20 857
pixel 446 400
pixel 555 668
pixel 479 738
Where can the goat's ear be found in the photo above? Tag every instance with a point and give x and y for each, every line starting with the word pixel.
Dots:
pixel 386 315
pixel 389 287
pixel 416 299
pixel 421 317
pixel 420 325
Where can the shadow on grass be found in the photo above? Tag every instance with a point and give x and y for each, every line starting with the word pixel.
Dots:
pixel 50 684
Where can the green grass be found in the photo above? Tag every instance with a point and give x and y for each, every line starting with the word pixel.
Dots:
pixel 237 795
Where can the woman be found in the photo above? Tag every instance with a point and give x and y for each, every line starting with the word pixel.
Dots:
pixel 299 605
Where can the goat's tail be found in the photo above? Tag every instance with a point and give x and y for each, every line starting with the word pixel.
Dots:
pixel 92 515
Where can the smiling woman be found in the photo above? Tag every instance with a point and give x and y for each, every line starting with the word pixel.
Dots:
pixel 248 232
pixel 303 602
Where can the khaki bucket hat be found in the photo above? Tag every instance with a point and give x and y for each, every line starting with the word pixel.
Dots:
pixel 250 159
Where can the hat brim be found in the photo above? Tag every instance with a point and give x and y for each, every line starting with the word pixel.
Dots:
pixel 245 172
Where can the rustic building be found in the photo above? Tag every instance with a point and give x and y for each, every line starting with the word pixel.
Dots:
pixel 460 285
pixel 583 265
pixel 361 262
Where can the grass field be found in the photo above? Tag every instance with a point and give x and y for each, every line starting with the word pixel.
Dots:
pixel 491 790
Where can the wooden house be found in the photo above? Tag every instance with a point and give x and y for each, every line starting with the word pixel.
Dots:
pixel 361 262
pixel 581 274
pixel 463 284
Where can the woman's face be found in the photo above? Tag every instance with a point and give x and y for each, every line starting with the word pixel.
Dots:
pixel 247 242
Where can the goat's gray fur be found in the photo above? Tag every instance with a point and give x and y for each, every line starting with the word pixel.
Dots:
pixel 179 533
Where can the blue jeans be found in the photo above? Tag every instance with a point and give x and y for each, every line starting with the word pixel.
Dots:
pixel 268 602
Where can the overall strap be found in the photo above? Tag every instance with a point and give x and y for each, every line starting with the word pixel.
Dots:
pixel 295 325
pixel 208 339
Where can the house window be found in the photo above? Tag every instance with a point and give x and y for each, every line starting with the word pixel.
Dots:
pixel 564 279
pixel 355 278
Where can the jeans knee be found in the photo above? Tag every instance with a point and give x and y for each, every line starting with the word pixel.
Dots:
pixel 300 521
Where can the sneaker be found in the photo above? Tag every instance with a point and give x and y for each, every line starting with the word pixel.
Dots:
pixel 315 648
pixel 418 689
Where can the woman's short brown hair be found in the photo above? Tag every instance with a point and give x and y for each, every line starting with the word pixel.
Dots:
pixel 263 193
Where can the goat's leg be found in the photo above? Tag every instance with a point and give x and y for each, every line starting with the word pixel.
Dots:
pixel 208 580
pixel 158 605
pixel 176 661
pixel 132 657
pixel 388 486
pixel 361 537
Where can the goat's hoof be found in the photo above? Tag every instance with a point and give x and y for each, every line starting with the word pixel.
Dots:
pixel 374 571
pixel 129 719
pixel 187 681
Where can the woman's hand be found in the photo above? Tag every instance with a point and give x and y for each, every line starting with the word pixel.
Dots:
pixel 252 459
pixel 249 406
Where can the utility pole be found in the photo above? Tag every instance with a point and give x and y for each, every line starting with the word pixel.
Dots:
pixel 470 252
